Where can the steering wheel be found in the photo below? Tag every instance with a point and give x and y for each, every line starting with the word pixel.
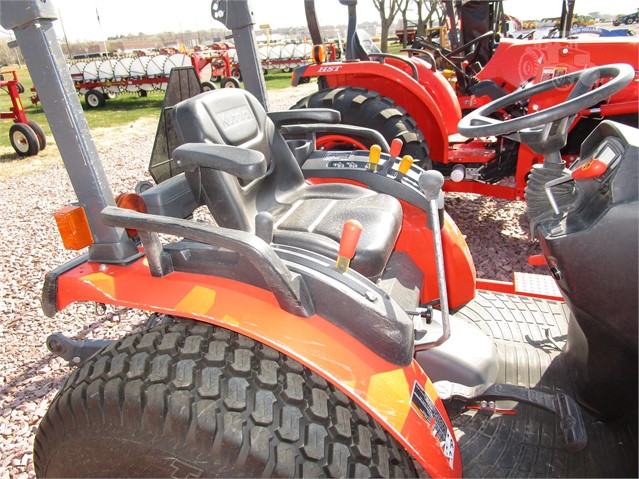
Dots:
pixel 466 46
pixel 534 129
pixel 450 55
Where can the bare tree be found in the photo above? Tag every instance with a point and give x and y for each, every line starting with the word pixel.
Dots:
pixel 387 12
pixel 403 8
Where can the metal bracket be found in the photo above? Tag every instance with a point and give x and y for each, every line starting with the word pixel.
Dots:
pixel 73 351
pixel 560 404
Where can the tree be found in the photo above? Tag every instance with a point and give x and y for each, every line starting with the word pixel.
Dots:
pixel 387 12
pixel 403 8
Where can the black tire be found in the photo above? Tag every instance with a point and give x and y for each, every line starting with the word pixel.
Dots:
pixel 630 21
pixel 366 108
pixel 37 129
pixel 23 139
pixel 190 399
pixel 230 82
pixel 208 86
pixel 20 88
pixel 94 99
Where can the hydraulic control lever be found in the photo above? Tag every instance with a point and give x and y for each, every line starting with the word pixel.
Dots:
pixel 431 182
pixel 591 169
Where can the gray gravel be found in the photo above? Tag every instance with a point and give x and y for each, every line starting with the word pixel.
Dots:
pixel 30 246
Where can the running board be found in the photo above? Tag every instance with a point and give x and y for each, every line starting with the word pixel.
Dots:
pixel 563 406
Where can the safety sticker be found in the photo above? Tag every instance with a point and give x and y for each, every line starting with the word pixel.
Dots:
pixel 426 408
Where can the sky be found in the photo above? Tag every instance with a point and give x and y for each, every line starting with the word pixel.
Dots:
pixel 121 17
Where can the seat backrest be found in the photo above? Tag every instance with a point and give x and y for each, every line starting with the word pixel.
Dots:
pixel 363 45
pixel 232 116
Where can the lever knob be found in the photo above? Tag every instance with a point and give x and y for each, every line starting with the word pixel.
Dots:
pixel 348 244
pixel 405 164
pixel 396 147
pixel 431 182
pixel 373 157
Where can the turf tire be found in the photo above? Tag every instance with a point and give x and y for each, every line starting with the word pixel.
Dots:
pixel 192 400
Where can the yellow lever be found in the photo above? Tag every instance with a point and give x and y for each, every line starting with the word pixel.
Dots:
pixel 373 157
pixel 405 164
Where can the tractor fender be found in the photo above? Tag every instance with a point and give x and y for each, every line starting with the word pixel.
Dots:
pixel 398 85
pixel 401 398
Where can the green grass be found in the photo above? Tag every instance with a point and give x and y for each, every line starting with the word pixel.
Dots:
pixel 124 109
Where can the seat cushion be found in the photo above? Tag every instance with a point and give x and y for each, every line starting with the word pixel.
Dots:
pixel 313 219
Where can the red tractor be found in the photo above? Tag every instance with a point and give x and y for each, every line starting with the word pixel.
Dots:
pixel 407 97
pixel 26 136
pixel 308 332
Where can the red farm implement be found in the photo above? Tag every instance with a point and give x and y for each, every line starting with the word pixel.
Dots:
pixel 26 136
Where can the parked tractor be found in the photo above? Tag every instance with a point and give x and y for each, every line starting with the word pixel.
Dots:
pixel 308 332
pixel 408 97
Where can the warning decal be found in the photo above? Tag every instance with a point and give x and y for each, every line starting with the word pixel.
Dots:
pixel 426 408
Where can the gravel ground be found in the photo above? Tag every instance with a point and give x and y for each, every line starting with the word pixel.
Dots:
pixel 30 246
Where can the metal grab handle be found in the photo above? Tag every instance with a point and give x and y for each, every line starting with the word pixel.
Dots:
pixel 431 182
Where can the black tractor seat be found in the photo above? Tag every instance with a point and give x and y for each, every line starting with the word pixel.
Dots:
pixel 237 184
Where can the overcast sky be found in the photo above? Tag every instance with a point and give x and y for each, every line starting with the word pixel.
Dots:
pixel 152 16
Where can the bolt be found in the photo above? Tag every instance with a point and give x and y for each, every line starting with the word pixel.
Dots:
pixel 372 297
pixel 76 360
pixel 103 267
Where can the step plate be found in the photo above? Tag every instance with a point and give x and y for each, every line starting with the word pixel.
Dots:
pixel 529 443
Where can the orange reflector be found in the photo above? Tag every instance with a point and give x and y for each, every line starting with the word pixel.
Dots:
pixel 131 201
pixel 319 54
pixel 74 228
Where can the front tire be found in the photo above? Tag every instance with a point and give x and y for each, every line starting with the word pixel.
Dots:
pixel 192 400
pixel 23 139
pixel 366 108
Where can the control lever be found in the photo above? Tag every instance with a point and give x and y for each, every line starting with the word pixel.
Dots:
pixel 404 165
pixel 396 148
pixel 373 157
pixel 431 182
pixel 348 244
pixel 590 169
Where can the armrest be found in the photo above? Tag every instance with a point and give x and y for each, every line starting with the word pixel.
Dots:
pixel 305 115
pixel 240 162
pixel 347 130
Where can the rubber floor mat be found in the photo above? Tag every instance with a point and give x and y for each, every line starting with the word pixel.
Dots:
pixel 529 334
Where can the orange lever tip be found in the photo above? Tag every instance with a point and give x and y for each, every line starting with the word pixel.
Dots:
pixel 350 237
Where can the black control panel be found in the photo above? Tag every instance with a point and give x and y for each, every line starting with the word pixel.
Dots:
pixel 384 177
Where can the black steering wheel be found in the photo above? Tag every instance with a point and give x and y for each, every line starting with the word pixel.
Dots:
pixel 534 129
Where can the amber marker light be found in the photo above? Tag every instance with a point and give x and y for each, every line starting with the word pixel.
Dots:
pixel 74 228
pixel 319 54
pixel 348 244
pixel 131 201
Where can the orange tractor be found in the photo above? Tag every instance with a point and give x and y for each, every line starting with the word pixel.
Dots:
pixel 308 332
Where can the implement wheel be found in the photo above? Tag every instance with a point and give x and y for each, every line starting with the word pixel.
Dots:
pixel 366 108
pixel 94 99
pixel 37 129
pixel 192 400
pixel 24 140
